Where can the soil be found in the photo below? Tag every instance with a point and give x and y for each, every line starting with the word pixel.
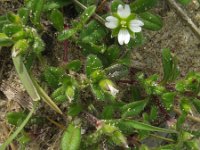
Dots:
pixel 176 35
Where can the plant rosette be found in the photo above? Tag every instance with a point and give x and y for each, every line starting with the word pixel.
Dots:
pixel 124 24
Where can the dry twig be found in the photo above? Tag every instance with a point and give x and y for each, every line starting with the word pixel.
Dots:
pixel 185 17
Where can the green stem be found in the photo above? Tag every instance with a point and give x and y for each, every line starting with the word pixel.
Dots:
pixel 45 97
pixel 19 129
pixel 162 138
pixel 97 17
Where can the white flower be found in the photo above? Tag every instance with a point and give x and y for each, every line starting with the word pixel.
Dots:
pixel 124 23
pixel 113 90
pixel 108 86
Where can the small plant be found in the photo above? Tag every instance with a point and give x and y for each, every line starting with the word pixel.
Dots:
pixel 103 101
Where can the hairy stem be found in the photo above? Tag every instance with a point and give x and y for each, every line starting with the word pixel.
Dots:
pixel 97 17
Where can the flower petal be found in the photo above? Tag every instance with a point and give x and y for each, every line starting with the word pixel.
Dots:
pixel 135 29
pixel 112 22
pixel 136 22
pixel 113 90
pixel 123 36
pixel 135 25
pixel 124 12
pixel 111 19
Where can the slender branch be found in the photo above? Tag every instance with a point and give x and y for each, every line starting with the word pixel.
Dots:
pixel 162 138
pixel 97 17
pixel 161 108
pixel 62 127
pixel 185 17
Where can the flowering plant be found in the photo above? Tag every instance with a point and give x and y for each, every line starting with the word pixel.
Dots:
pixel 98 99
pixel 124 24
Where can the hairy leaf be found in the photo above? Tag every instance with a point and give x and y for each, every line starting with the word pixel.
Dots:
pixel 71 138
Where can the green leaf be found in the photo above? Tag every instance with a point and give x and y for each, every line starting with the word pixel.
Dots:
pixel 60 99
pixel 57 19
pixel 94 32
pixel 180 86
pixel 37 8
pixel 71 138
pixel 113 53
pixel 136 41
pixel 184 2
pixel 19 36
pixel 196 103
pixel 13 18
pixel 25 78
pixel 185 105
pixel 180 121
pixel 15 118
pixel 170 68
pixel 74 65
pixel 115 4
pixel 93 63
pixel 87 14
pixel 56 4
pixel 115 134
pixel 98 92
pixel 20 47
pixel 133 108
pixel 74 110
pixel 108 112
pixel 52 76
pixel 168 99
pixel 131 124
pixel 153 114
pixel 3 21
pixel 140 6
pixel 24 14
pixel 5 40
pixel 66 34
pixel 38 45
pixel 11 29
pixel 151 21
pixel 117 71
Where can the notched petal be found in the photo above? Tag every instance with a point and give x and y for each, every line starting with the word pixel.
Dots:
pixel 124 11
